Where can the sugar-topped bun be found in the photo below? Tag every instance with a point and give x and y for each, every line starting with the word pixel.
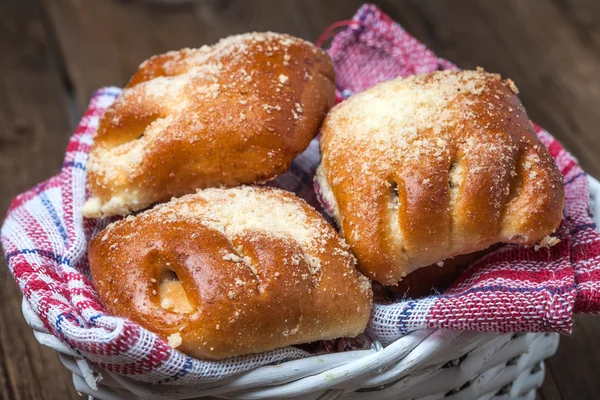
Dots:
pixel 421 169
pixel 233 113
pixel 226 272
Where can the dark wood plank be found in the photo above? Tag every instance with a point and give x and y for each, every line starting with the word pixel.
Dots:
pixel 576 367
pixel 105 40
pixel 549 391
pixel 34 128
pixel 583 15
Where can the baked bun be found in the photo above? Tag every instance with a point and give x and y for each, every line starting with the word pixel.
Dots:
pixel 421 169
pixel 226 272
pixel 434 278
pixel 234 113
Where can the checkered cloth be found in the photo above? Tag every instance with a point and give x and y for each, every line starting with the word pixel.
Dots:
pixel 514 289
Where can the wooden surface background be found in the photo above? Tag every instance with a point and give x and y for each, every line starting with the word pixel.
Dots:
pixel 55 53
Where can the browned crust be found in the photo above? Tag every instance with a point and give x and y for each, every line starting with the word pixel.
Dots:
pixel 434 278
pixel 240 112
pixel 508 187
pixel 278 299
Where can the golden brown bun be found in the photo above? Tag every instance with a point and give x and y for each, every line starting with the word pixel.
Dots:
pixel 421 169
pixel 237 112
pixel 226 272
pixel 434 278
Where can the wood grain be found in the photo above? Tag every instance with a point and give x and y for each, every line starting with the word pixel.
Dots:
pixel 575 369
pixel 112 38
pixel 55 54
pixel 34 131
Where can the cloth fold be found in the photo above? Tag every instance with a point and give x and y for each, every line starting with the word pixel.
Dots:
pixel 513 289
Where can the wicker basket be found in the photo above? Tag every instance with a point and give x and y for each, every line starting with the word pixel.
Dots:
pixel 426 364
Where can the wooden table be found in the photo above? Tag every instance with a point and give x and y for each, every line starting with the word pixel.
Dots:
pixel 55 53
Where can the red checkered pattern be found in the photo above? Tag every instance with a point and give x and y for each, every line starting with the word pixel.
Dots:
pixel 514 289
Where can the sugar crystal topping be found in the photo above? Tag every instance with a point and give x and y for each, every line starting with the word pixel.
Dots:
pixel 236 211
pixel 408 121
pixel 191 75
pixel 409 116
pixel 457 143
pixel 175 105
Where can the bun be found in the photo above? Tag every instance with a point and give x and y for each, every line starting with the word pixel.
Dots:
pixel 226 272
pixel 234 113
pixel 434 278
pixel 422 169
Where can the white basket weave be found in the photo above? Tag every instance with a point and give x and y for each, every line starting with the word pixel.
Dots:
pixel 427 364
